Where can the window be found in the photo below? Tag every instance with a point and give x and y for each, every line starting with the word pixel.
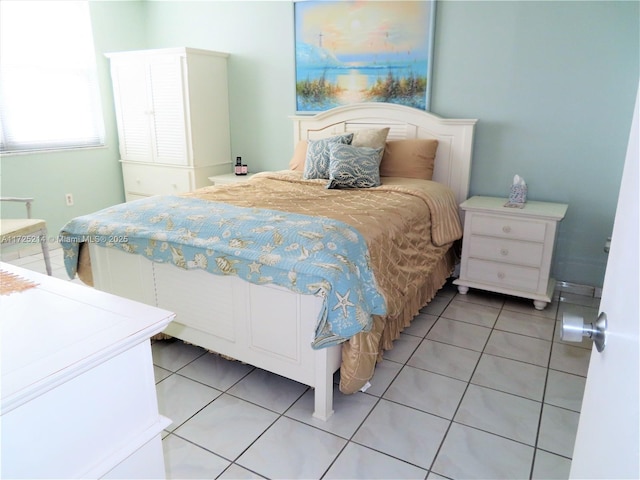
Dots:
pixel 49 96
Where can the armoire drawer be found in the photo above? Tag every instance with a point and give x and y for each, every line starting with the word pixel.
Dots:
pixel 503 274
pixel 155 180
pixel 504 250
pixel 505 226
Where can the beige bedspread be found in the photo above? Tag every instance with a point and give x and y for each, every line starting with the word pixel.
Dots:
pixel 409 226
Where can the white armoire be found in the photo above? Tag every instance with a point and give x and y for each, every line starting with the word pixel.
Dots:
pixel 172 111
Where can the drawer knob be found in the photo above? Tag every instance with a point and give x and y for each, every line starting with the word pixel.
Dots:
pixel 501 275
pixel 506 229
pixel 504 252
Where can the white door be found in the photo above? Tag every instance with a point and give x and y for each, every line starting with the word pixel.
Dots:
pixel 607 444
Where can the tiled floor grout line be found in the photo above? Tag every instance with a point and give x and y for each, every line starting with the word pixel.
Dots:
pixel 280 415
pixel 223 392
pixel 466 388
pixel 544 391
pixel 379 399
pixel 541 402
pixel 377 402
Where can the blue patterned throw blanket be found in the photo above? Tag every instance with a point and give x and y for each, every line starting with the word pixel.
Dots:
pixel 308 255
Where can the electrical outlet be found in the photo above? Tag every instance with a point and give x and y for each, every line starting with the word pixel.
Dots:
pixel 69 199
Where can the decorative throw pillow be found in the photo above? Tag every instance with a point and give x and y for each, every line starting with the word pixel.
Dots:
pixel 316 163
pixel 354 167
pixel 410 158
pixel 370 137
pixel 299 155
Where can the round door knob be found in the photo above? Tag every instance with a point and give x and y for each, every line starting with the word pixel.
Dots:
pixel 504 252
pixel 574 328
pixel 506 229
pixel 501 275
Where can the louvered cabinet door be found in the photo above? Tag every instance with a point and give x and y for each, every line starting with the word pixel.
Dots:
pixel 167 93
pixel 132 109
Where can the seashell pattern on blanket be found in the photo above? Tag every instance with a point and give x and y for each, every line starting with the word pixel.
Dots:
pixel 260 246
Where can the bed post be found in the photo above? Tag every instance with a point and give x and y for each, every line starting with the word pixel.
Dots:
pixel 323 395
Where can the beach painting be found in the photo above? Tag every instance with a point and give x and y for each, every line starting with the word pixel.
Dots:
pixel 363 51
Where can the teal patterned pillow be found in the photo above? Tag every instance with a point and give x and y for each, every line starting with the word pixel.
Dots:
pixel 316 164
pixel 354 167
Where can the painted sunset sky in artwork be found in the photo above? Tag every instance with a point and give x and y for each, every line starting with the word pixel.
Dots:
pixel 357 51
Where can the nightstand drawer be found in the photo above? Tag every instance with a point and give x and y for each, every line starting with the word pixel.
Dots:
pixel 505 226
pixel 155 180
pixel 503 274
pixel 504 250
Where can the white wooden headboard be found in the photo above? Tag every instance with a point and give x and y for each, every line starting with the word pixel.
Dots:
pixel 455 136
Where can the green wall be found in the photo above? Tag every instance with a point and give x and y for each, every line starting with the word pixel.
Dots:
pixel 552 84
pixel 259 38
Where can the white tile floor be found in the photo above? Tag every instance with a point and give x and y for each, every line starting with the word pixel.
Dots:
pixel 480 386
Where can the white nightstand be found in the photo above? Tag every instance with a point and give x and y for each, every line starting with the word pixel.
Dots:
pixel 509 250
pixel 229 178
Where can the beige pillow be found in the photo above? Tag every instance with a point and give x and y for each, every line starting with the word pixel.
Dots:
pixel 370 137
pixel 411 158
pixel 299 155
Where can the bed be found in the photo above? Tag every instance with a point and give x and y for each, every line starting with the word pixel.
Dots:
pixel 302 306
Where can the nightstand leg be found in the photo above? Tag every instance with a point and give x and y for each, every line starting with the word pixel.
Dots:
pixel 462 289
pixel 539 304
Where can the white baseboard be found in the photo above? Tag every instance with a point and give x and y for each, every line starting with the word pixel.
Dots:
pixel 578 289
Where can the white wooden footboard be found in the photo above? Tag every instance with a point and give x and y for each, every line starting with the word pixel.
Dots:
pixel 263 325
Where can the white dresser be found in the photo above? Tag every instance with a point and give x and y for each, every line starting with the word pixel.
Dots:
pixel 509 250
pixel 172 111
pixel 78 389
